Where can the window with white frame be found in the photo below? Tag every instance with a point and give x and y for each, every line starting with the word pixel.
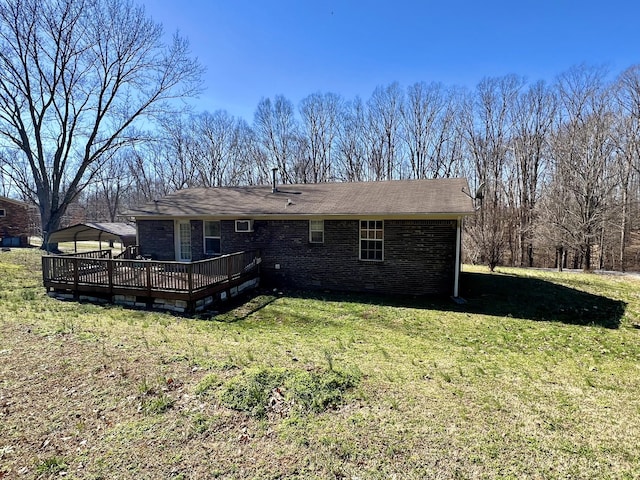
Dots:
pixel 316 231
pixel 244 225
pixel 212 238
pixel 3 213
pixel 372 240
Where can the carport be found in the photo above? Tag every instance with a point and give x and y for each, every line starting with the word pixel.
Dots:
pixel 95 232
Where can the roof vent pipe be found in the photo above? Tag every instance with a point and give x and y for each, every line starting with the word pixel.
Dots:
pixel 274 187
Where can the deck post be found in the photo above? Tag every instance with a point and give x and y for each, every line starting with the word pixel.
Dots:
pixel 229 267
pixel 148 272
pixel 190 278
pixel 76 274
pixel 110 275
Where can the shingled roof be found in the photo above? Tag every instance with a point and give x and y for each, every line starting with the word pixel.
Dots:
pixel 13 200
pixel 411 198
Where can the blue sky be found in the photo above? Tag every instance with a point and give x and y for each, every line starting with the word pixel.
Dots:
pixel 262 48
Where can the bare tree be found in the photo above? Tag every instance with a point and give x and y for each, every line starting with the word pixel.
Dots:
pixel 627 149
pixel 552 212
pixel 384 121
pixel 146 168
pixel 352 152
pixel 176 152
pixel 76 76
pixel 489 128
pixel 430 131
pixel 582 150
pixel 533 116
pixel 251 164
pixel 320 115
pixel 113 182
pixel 277 129
pixel 448 137
pixel 213 144
pixel 208 150
pixel 6 181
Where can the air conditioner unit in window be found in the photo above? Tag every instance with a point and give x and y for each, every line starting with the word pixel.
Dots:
pixel 244 225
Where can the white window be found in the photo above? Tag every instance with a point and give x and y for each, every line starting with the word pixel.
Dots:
pixel 244 225
pixel 212 238
pixel 2 212
pixel 372 240
pixel 316 231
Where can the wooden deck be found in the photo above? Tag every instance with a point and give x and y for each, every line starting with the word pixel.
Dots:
pixel 97 273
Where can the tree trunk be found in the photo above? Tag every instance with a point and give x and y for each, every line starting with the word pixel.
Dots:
pixel 559 257
pixel 623 231
pixel 50 220
pixel 587 257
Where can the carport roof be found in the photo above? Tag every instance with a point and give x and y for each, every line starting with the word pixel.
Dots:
pixel 97 232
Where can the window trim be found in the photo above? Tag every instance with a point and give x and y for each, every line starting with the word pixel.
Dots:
pixel 3 212
pixel 361 239
pixel 249 226
pixel 316 230
pixel 205 236
pixel 179 244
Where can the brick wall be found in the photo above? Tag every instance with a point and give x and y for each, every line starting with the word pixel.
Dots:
pixel 419 255
pixel 15 222
pixel 156 239
pixel 197 240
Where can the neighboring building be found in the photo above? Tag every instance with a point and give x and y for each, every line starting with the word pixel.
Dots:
pixel 399 237
pixel 15 219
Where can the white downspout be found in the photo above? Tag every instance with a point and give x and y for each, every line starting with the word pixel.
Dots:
pixel 457 259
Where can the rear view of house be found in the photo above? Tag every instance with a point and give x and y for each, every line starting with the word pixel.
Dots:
pixel 14 223
pixel 395 237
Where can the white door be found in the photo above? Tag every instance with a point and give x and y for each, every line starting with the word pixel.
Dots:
pixel 183 241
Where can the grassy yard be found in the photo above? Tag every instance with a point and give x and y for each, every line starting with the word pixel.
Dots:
pixel 537 376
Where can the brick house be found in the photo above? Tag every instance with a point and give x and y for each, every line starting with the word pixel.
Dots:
pixel 398 237
pixel 15 218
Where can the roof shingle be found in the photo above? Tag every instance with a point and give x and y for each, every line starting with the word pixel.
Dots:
pixel 437 197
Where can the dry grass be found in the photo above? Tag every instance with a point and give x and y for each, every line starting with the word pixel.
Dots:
pixel 491 389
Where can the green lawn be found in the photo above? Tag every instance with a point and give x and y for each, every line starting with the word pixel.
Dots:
pixel 537 376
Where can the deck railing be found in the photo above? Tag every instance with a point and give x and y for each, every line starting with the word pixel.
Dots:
pixel 91 254
pixel 91 271
pixel 130 252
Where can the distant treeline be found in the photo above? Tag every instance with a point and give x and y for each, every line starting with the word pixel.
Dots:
pixel 560 162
